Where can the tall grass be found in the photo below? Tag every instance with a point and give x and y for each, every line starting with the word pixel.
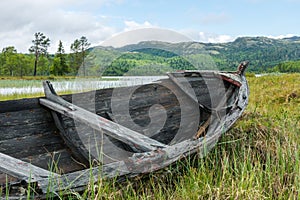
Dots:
pixel 259 158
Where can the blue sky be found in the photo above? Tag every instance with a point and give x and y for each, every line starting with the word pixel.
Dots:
pixel 232 17
pixel 202 20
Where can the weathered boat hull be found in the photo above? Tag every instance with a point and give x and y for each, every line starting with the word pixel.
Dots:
pixel 183 114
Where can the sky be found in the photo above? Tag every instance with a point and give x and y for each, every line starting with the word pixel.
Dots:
pixel 99 20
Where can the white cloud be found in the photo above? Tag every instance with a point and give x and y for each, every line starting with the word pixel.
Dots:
pixel 20 19
pixel 214 38
pixel 68 20
pixel 206 37
pixel 281 36
pixel 135 32
pixel 132 25
pixel 145 34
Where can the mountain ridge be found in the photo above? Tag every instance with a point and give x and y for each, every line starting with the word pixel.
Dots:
pixel 264 53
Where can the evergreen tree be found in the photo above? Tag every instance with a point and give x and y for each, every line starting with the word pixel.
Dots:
pixel 9 59
pixel 84 44
pixel 21 63
pixel 79 47
pixel 39 48
pixel 75 58
pixel 60 66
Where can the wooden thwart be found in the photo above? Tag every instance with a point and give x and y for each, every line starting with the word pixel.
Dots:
pixel 23 170
pixel 138 141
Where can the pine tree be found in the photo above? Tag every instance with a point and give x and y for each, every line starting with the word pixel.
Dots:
pixel 40 47
pixel 79 47
pixel 60 62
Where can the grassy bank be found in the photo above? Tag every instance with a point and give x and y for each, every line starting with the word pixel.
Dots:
pixel 259 158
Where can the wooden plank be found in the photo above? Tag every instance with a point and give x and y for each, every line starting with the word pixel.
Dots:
pixel 183 88
pixel 26 123
pixel 61 161
pixel 23 170
pixel 4 178
pixel 31 145
pixel 203 97
pixel 187 91
pixel 112 129
pixel 80 179
pixel 72 140
pixel 134 139
pixel 18 105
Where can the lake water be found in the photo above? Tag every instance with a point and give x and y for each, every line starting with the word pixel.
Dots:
pixel 79 85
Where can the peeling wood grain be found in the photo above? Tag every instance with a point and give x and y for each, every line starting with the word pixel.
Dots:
pixel 31 145
pixel 23 170
pixel 98 123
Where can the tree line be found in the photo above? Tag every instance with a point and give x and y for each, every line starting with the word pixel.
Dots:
pixel 40 62
pixel 287 67
pixel 264 57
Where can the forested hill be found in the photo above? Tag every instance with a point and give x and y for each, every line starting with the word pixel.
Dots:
pixel 262 52
pixel 156 58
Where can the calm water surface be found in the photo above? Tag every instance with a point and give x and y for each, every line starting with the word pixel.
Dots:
pixel 83 84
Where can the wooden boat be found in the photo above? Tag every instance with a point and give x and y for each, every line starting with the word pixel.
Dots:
pixel 56 143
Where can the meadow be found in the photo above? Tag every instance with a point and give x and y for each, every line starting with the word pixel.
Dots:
pixel 259 158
